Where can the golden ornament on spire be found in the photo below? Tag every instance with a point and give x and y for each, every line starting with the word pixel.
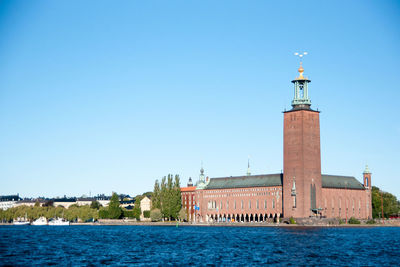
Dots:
pixel 301 69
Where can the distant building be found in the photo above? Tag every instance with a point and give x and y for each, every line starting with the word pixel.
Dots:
pixel 127 204
pixel 64 202
pixel 103 200
pixel 145 205
pixel 188 195
pixel 7 202
pixel 83 201
pixel 30 202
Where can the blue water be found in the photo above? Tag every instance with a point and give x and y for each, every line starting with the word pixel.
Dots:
pixel 163 245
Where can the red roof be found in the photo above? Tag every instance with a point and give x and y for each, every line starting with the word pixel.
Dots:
pixel 188 189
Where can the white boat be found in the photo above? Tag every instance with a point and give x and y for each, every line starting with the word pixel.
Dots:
pixel 58 222
pixel 40 221
pixel 21 221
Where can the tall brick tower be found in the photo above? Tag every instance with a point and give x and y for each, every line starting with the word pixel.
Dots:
pixel 302 183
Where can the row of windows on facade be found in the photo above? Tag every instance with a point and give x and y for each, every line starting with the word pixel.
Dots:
pixel 185 196
pixel 212 205
pixel 346 203
pixel 244 195
pixel 245 190
pixel 347 210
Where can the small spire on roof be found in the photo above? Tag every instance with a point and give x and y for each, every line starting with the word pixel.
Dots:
pixel 367 169
pixel 248 166
pixel 201 176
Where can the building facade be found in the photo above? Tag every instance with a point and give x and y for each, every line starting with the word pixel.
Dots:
pixel 188 195
pixel 8 202
pixel 301 191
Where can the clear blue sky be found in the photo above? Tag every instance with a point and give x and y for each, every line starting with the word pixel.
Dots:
pixel 102 96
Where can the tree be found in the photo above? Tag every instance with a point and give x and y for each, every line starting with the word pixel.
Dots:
pixel 128 213
pixel 156 196
pixel 353 220
pixel 103 213
pixel 114 210
pixel 49 203
pixel 169 197
pixel 390 203
pixel 176 197
pixel 136 209
pixel 156 215
pixel 163 197
pixel 95 205
pixel 183 214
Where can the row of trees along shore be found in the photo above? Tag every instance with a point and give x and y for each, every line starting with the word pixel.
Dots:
pixel 75 213
pixel 166 205
pixel 166 200
pixel 391 206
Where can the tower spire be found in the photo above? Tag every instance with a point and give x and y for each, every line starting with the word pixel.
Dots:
pixel 201 176
pixel 301 99
pixel 248 166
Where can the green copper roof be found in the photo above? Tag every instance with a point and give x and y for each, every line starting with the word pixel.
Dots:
pixel 245 181
pixel 366 169
pixel 335 181
pixel 328 181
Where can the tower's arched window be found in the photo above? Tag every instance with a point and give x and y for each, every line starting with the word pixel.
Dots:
pixel 301 91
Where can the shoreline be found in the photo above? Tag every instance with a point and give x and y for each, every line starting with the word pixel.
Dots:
pixel 185 224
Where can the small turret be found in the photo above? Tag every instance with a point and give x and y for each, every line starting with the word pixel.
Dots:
pixel 367 177
pixel 301 99
pixel 190 183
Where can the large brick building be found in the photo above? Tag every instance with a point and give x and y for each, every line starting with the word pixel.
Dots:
pixel 300 191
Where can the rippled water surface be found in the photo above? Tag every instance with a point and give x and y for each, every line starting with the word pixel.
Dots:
pixel 163 245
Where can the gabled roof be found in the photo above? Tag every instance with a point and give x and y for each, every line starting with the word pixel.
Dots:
pixel 343 182
pixel 265 180
pixel 245 181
